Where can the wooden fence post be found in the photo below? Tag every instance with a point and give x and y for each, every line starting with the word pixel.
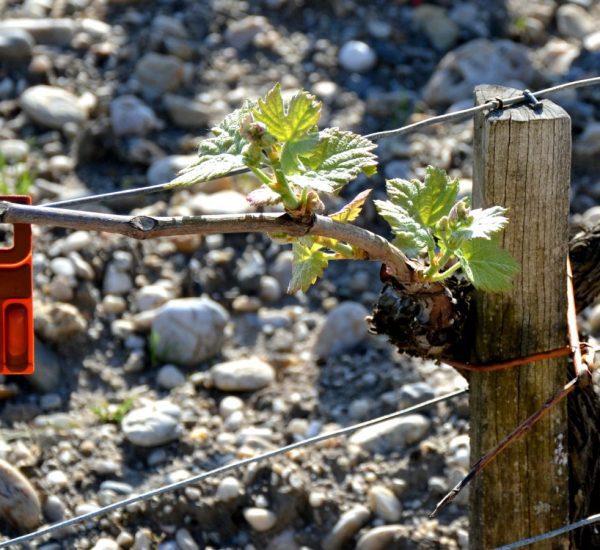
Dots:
pixel 522 161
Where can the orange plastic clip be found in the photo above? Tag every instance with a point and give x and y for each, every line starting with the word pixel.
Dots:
pixel 16 300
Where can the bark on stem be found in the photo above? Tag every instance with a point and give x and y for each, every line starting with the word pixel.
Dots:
pixel 147 227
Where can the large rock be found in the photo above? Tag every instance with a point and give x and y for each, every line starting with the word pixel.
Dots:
pixel 52 107
pixel 188 331
pixel 152 425
pixel 344 328
pixel 478 61
pixel 19 502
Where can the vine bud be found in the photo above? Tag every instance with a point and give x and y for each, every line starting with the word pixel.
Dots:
pixel 443 224
pixel 314 202
pixel 251 154
pixel 460 212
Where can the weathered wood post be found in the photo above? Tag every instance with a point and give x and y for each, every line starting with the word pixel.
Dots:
pixel 522 161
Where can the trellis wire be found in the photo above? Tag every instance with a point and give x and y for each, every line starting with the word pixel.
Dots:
pixel 227 468
pixel 457 116
pixel 551 534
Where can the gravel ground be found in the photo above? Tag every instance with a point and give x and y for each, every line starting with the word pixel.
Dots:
pixel 102 95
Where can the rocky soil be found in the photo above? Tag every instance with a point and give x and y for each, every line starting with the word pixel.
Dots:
pixel 101 95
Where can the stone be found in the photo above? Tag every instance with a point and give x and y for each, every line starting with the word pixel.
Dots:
pixel 282 268
pixel 594 316
pixel 62 266
pixel 57 479
pixel 169 377
pixel 242 375
pixel 229 488
pixel 51 106
pixel 152 425
pixel 129 115
pixel 357 56
pixel 240 34
pixel 186 112
pixel 58 321
pixel 270 289
pixel 574 21
pixel 475 62
pixel 165 169
pixel 19 503
pixel 159 73
pixel 105 544
pixel 114 304
pixel 434 22
pixel 384 504
pixel 14 150
pixel 260 519
pixel 591 216
pixel 221 202
pixel 592 42
pixel 416 392
pixel 393 434
pixel 58 32
pixel 380 538
pixel 15 45
pixel 346 527
pixel 152 296
pixel 116 282
pixel 143 540
pixel 54 509
pixel 78 240
pixel 185 541
pixel 164 25
pixel 189 330
pixel 344 328
pixel 229 405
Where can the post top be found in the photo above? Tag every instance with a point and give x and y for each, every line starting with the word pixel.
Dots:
pixel 518 113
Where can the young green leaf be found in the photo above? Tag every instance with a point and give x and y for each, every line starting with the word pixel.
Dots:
pixel 411 236
pixel 487 266
pixel 426 202
pixel 288 121
pixel 483 223
pixel 338 158
pixel 219 155
pixel 351 211
pixel 309 264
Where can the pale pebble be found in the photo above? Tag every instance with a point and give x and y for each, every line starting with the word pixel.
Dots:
pixel 260 519
pixel 346 527
pixel 384 503
pixel 242 375
pixel 229 488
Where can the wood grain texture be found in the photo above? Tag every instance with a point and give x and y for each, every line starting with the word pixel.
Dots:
pixel 522 162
